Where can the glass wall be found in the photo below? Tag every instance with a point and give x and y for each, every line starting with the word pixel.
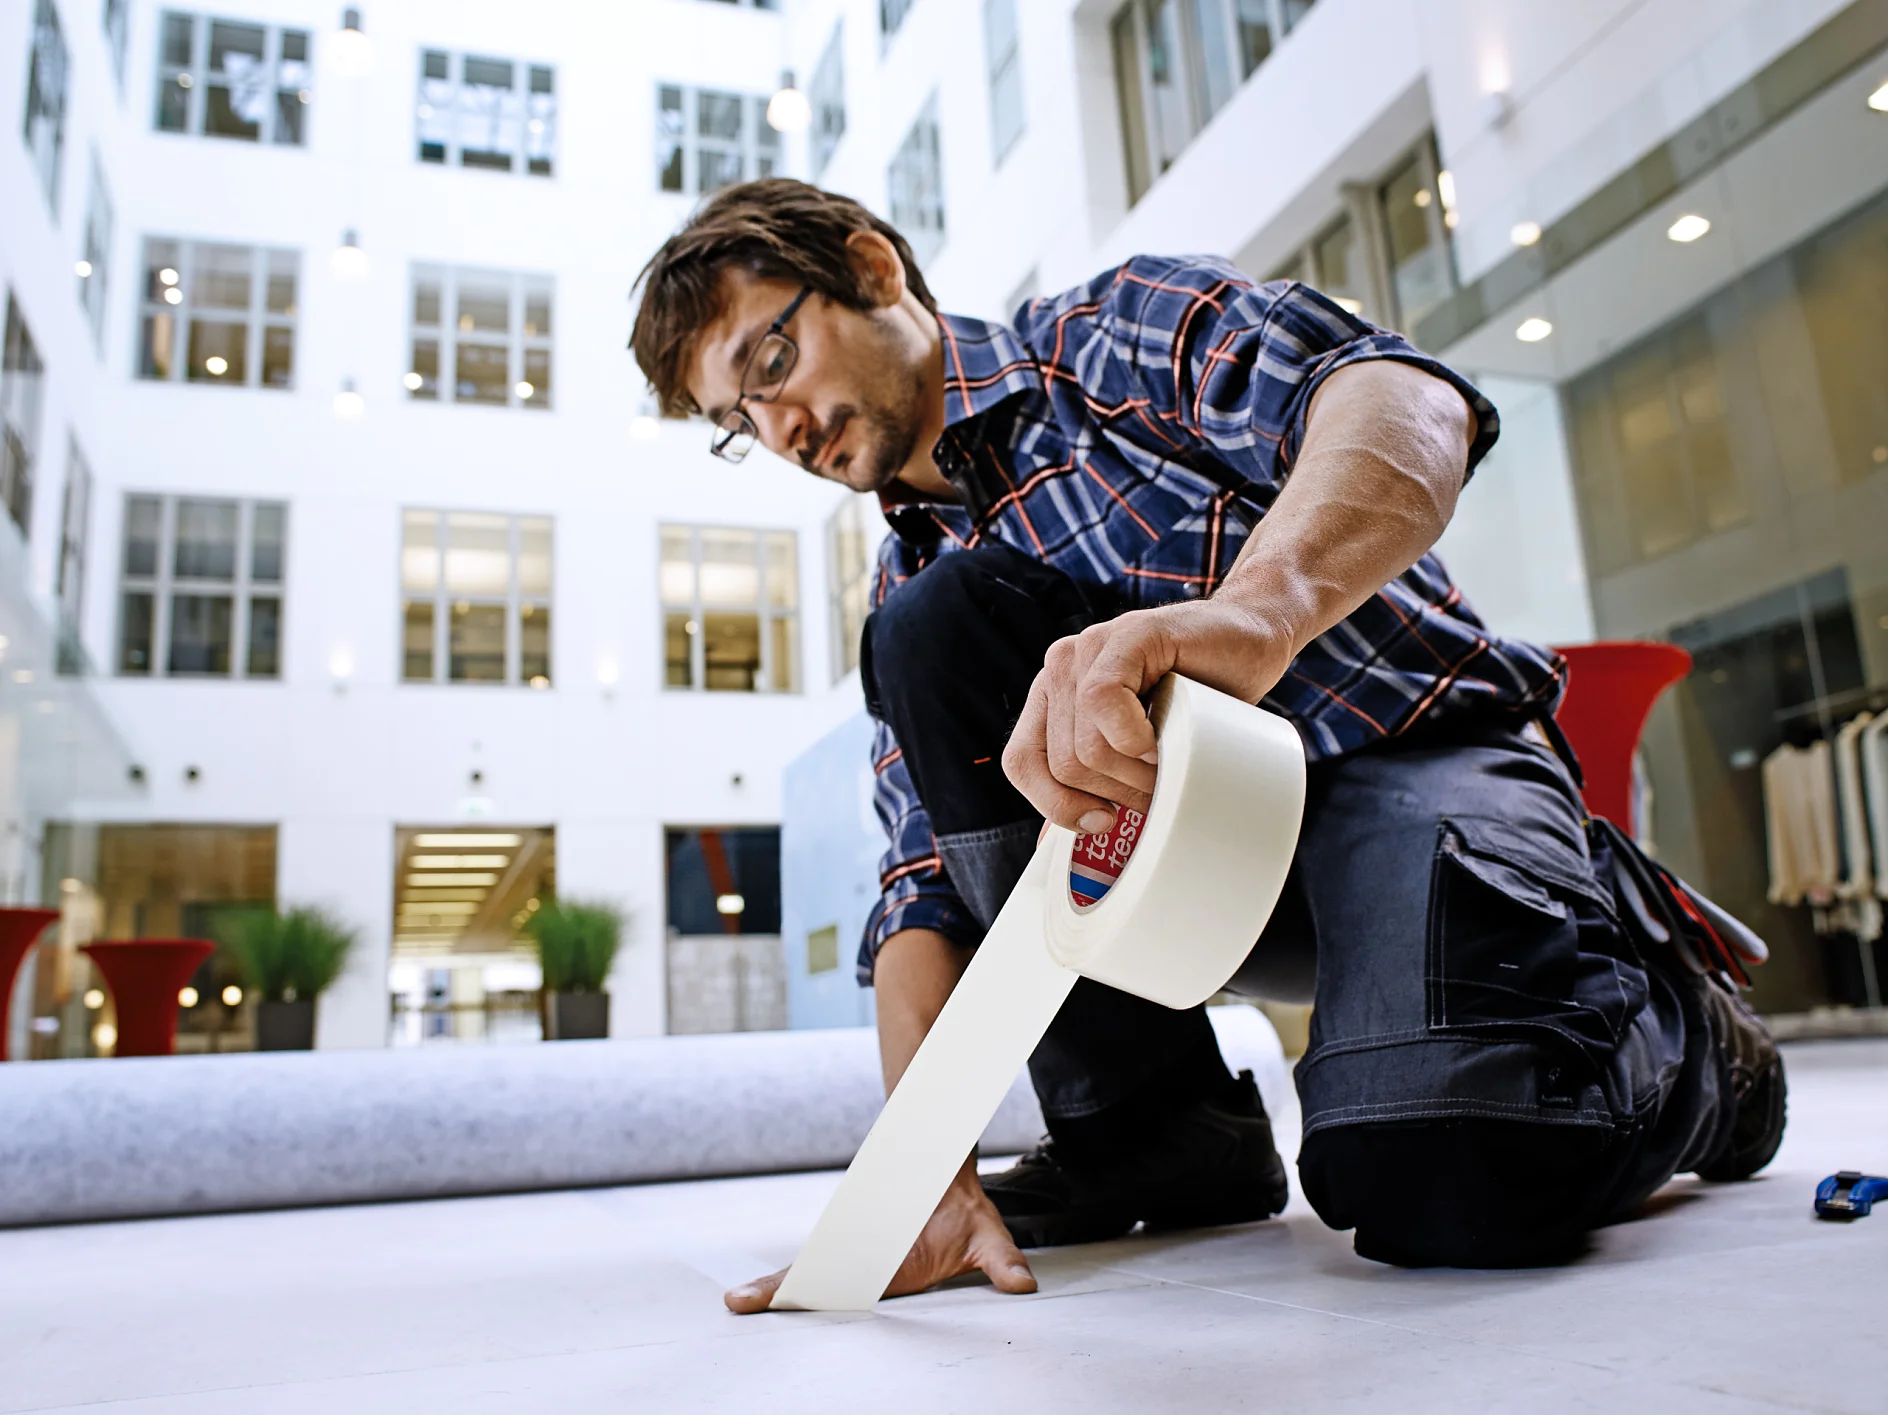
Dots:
pixel 726 970
pixel 149 881
pixel 1731 471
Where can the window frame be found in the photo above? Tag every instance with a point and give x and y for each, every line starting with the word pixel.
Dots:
pixel 257 319
pixel 848 583
pixel 1003 70
pixel 515 602
pixel 698 608
pixel 48 80
pixel 95 250
pixel 163 584
pixel 534 106
pixel 75 525
pixel 22 404
pixel 762 153
pixel 269 130
pixel 827 95
pixel 892 15
pixel 520 343
pixel 115 23
pixel 907 201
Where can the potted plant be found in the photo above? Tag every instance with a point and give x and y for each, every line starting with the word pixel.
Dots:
pixel 289 959
pixel 576 944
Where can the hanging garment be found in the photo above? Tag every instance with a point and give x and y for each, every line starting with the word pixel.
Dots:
pixel 1800 825
pixel 1855 885
pixel 1874 754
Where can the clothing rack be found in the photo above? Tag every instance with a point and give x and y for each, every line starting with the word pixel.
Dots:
pixel 1869 699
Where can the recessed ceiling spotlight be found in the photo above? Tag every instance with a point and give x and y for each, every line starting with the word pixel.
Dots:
pixel 1525 233
pixel 1533 329
pixel 1878 100
pixel 1688 228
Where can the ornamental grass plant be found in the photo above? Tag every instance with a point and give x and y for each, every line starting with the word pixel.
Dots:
pixel 292 956
pixel 576 942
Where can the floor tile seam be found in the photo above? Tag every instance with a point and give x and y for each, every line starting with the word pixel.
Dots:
pixel 1502 1346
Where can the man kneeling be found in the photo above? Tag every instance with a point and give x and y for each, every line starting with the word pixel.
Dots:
pixel 1522 1027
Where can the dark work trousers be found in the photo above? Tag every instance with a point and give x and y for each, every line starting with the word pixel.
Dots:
pixel 1493 1070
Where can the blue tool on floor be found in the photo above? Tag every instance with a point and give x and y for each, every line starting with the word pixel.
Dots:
pixel 1849 1195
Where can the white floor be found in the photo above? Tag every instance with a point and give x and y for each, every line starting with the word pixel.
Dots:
pixel 1727 1299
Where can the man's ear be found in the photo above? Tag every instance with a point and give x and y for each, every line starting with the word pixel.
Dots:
pixel 881 272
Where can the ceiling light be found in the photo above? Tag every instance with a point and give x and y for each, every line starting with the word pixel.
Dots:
pixel 94 999
pixel 232 996
pixel 643 428
pixel 216 365
pixel 1878 100
pixel 1688 228
pixel 460 881
pixel 173 296
pixel 348 403
pixel 22 675
pixel 353 51
pixel 1524 233
pixel 1445 188
pixel 349 261
pixel 104 1036
pixel 609 674
pixel 468 839
pixel 83 269
pixel 1344 302
pixel 414 381
pixel 540 682
pixel 341 663
pixel 523 388
pixel 1422 197
pixel 729 904
pixel 788 111
pixel 460 862
pixel 187 997
pixel 167 276
pixel 1533 329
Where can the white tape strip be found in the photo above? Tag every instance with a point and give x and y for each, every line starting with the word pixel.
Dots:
pixel 1191 900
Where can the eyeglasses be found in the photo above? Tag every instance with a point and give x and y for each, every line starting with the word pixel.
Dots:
pixel 766 373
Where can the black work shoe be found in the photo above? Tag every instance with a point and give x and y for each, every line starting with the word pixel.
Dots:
pixel 1211 1163
pixel 1755 1070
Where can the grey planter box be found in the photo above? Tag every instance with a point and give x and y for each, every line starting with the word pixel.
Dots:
pixel 286 1026
pixel 576 1016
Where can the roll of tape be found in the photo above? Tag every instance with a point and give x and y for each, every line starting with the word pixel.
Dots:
pixel 1170 922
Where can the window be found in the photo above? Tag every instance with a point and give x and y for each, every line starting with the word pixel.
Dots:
pixel 218 314
pixel 916 183
pixel 226 79
pixel 706 140
pixel 45 126
pixel 74 520
pixel 1333 264
pixel 849 570
pixel 891 14
pixel 493 113
pixel 1418 203
pixel 475 598
pixel 1002 56
pixel 730 601
pixel 1178 62
pixel 116 22
pixel 481 336
pixel 827 95
pixel 723 880
pixel 95 255
pixel 21 384
pixel 202 587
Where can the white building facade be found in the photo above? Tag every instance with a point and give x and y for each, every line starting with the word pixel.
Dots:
pixel 371 543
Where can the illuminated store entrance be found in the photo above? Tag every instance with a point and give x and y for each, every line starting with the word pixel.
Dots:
pixel 462 969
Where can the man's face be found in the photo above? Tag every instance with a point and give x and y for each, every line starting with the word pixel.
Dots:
pixel 850 410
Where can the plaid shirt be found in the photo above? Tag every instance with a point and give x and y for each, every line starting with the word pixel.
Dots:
pixel 1131 432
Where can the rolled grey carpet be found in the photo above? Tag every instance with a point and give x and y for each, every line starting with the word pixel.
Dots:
pixel 179 1135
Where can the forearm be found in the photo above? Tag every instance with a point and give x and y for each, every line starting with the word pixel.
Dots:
pixel 914 975
pixel 1384 456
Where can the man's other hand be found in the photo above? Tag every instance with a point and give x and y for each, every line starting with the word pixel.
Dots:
pixel 1084 743
pixel 964 1235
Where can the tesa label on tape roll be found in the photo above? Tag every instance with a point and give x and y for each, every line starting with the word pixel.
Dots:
pixel 1098 860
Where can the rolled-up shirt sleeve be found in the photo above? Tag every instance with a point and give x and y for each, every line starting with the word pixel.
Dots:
pixel 914 890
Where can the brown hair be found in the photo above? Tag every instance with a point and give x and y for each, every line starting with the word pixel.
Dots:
pixel 775 228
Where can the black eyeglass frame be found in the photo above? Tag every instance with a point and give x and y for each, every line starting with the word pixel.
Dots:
pixel 736 433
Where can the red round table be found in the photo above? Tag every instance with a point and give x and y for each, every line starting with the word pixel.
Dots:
pixel 19 931
pixel 1610 689
pixel 145 976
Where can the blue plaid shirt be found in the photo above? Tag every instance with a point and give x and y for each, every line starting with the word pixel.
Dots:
pixel 1131 432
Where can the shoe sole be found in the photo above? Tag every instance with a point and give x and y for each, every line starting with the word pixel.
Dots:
pixel 1227 1204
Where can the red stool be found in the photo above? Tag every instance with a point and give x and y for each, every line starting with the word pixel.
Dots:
pixel 19 931
pixel 1610 691
pixel 145 976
